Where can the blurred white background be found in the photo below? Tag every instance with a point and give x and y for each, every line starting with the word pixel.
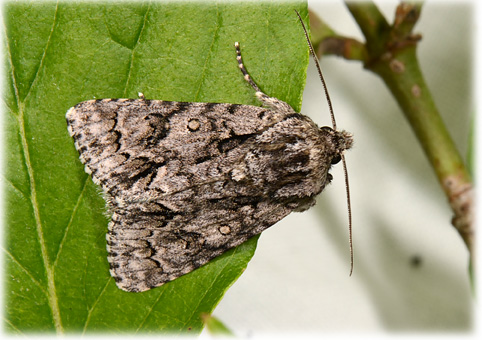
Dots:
pixel 298 279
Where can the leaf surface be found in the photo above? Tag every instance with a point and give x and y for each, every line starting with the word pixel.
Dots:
pixel 59 54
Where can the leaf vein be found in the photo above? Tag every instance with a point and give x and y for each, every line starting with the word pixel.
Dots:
pixel 208 58
pixel 94 305
pixel 17 262
pixel 14 327
pixel 64 237
pixel 211 286
pixel 47 45
pixel 9 52
pixel 134 48
pixel 14 187
pixel 150 311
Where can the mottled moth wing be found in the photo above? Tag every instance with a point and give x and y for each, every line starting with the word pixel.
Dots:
pixel 187 181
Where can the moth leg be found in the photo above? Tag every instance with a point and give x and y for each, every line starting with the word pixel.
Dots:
pixel 272 102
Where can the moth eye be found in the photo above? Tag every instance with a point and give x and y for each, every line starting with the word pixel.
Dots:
pixel 326 128
pixel 336 159
pixel 193 124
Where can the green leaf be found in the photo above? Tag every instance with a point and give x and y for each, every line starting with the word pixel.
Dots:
pixel 59 54
pixel 215 327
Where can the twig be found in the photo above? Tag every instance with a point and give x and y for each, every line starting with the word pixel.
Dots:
pixel 390 52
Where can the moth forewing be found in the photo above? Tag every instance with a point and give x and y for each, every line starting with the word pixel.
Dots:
pixel 185 182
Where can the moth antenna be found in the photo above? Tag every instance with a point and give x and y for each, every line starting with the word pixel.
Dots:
pixel 348 202
pixel 312 52
pixel 347 185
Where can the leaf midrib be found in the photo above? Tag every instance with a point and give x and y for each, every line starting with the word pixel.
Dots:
pixel 52 294
pixel 51 291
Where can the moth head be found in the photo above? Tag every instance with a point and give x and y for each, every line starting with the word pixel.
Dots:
pixel 339 142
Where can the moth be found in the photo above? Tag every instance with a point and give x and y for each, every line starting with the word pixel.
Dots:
pixel 184 182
